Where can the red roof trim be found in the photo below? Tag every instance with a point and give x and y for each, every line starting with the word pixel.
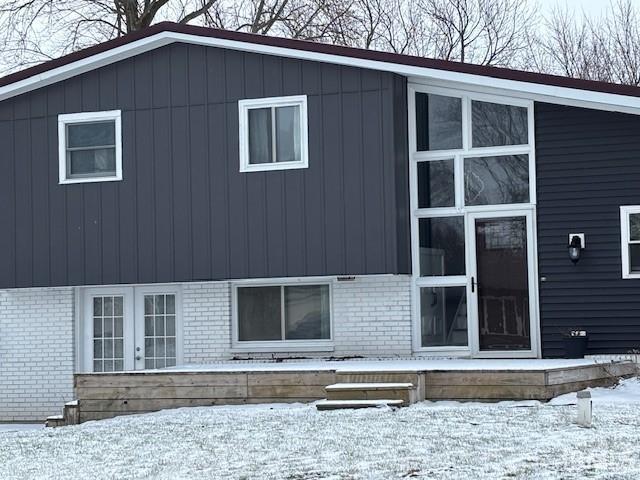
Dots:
pixel 493 72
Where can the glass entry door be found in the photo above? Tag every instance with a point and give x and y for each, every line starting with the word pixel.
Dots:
pixel 127 328
pixel 501 275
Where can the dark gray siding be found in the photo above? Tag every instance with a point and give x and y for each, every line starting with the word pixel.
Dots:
pixel 588 164
pixel 183 211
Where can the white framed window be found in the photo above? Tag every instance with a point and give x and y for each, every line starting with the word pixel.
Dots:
pixel 630 240
pixel 282 317
pixel 273 133
pixel 90 147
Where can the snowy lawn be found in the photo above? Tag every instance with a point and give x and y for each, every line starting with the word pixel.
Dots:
pixel 427 440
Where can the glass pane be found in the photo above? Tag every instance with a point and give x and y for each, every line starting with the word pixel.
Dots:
pixel 171 362
pixel 436 187
pixel 159 304
pixel 97 349
pixel 97 365
pixel 108 327
pixel 149 363
pixel 118 365
pixel 160 347
pixel 160 363
pixel 108 349
pixel 101 161
pixel 117 306
pixel 438 122
pixel 307 314
pixel 117 348
pixel 495 125
pixel 148 326
pixel 634 226
pixel 443 316
pixel 149 350
pixel 148 304
pixel 97 306
pixel 108 306
pixel 442 246
pixel 171 347
pixel 171 304
pixel 502 283
pixel 260 144
pixel 259 313
pixel 98 134
pixel 117 327
pixel 171 325
pixel 97 327
pixel 288 134
pixel 634 257
pixel 496 180
pixel 160 325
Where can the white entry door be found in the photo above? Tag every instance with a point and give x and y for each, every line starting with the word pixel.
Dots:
pixel 127 328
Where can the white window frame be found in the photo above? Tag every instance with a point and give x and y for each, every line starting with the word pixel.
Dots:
pixel 272 102
pixel 460 209
pixel 276 346
pixel 88 117
pixel 625 239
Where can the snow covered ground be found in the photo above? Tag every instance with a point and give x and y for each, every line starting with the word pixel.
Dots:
pixel 428 440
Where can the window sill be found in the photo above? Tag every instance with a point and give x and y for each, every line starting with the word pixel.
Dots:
pixel 628 276
pixel 69 181
pixel 282 347
pixel 265 167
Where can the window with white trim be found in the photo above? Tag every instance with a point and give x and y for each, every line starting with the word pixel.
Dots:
pixel 630 237
pixel 283 313
pixel 273 133
pixel 90 147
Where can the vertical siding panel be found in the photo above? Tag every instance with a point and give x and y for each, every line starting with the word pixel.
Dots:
pixel 107 93
pixel 179 85
pixel 234 75
pixel 375 256
pixel 311 78
pixel 254 84
pixel 272 76
pixel 24 204
pixel 128 242
pixel 397 246
pixel 197 75
pixel 313 191
pixel 354 207
pixel 161 68
pixel 276 241
pixel 201 249
pixel 216 87
pixel 145 196
pixel 291 77
pixel 334 199
pixel 163 174
pixel 256 207
pixel 125 85
pixel 238 200
pixel 143 81
pixel 41 183
pixel 90 89
pixel 92 222
pixel 294 222
pixel 220 206
pixel 7 200
pixel 57 194
pixel 110 232
pixel 181 193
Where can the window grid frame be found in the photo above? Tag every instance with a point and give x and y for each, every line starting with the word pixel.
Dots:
pixel 83 118
pixel 272 103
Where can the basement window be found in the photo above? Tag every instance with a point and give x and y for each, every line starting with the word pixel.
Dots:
pixel 273 133
pixel 90 147
pixel 630 241
pixel 271 315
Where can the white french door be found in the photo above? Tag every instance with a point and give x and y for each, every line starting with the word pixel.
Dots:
pixel 501 285
pixel 127 328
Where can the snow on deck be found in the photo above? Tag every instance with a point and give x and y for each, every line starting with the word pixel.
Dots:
pixel 381 365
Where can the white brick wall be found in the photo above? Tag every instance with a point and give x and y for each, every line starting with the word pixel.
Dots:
pixel 371 317
pixel 36 352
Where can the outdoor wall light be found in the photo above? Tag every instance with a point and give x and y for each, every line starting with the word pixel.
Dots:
pixel 576 245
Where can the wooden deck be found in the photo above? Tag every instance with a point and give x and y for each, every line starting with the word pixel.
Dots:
pixel 105 395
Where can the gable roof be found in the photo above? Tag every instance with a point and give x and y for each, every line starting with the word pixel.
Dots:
pixel 538 86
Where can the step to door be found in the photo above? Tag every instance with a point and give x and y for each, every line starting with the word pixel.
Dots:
pixel 406 392
pixel 351 404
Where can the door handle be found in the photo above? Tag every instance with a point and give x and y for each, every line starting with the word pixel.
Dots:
pixel 473 284
pixel 138 357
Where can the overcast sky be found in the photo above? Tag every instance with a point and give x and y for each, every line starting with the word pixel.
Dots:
pixel 590 7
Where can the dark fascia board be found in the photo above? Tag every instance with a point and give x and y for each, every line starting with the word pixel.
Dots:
pixel 322 48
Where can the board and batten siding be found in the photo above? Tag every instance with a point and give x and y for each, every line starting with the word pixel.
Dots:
pixel 588 165
pixel 183 211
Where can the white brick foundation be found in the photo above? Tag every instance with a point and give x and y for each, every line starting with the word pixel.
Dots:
pixel 36 352
pixel 371 317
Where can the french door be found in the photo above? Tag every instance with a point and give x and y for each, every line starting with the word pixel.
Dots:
pixel 127 328
pixel 501 283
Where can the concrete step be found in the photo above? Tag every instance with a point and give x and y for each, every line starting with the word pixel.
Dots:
pixel 351 404
pixel 55 421
pixel 373 391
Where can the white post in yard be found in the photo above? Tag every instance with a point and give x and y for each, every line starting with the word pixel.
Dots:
pixel 584 409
